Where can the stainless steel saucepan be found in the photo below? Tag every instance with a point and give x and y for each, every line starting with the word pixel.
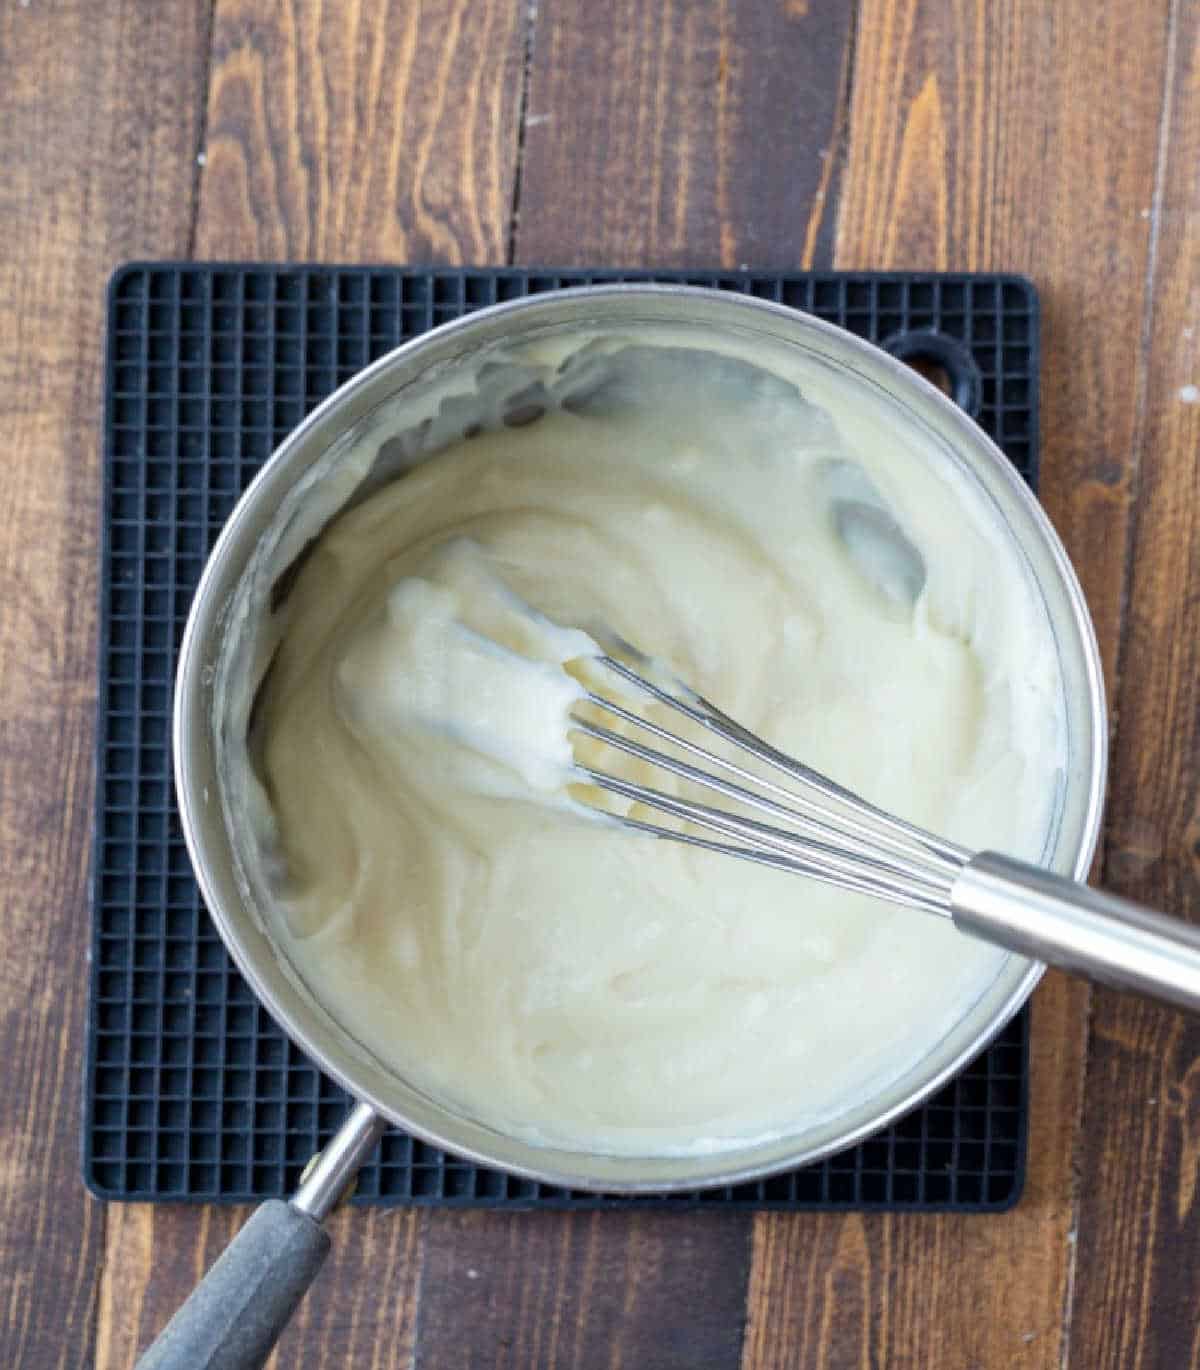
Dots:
pixel 232 1320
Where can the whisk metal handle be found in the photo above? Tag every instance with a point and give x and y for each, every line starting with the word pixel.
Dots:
pixel 1051 919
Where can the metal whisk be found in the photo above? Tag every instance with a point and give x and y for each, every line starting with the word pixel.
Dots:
pixel 821 830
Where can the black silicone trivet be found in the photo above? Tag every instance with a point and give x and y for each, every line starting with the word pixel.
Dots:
pixel 192 1092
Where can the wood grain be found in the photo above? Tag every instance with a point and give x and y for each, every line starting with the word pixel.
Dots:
pixel 976 135
pixel 1011 137
pixel 336 132
pixel 1024 138
pixel 1139 1224
pixel 361 1312
pixel 643 143
pixel 923 1290
pixel 97 167
pixel 647 1291
pixel 677 134
pixel 342 130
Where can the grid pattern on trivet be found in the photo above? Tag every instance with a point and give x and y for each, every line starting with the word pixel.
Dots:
pixel 192 1092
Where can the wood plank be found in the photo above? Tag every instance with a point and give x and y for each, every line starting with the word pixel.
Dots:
pixel 983 137
pixel 1139 1223
pixel 361 1312
pixel 88 180
pixel 1012 137
pixel 931 1290
pixel 361 131
pixel 350 132
pixel 643 144
pixel 683 135
pixel 651 1291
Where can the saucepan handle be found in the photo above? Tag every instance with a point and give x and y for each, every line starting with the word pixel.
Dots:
pixel 1100 936
pixel 233 1318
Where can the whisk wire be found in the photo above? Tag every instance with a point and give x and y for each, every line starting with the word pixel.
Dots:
pixel 802 856
pixel 914 898
pixel 829 834
pixel 818 831
pixel 878 821
pixel 856 847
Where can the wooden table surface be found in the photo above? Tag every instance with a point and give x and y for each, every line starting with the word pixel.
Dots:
pixel 1060 138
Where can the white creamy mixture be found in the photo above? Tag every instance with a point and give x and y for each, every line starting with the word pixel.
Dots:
pixel 808 564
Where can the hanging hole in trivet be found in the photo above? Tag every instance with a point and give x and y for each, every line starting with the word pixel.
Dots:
pixel 943 361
